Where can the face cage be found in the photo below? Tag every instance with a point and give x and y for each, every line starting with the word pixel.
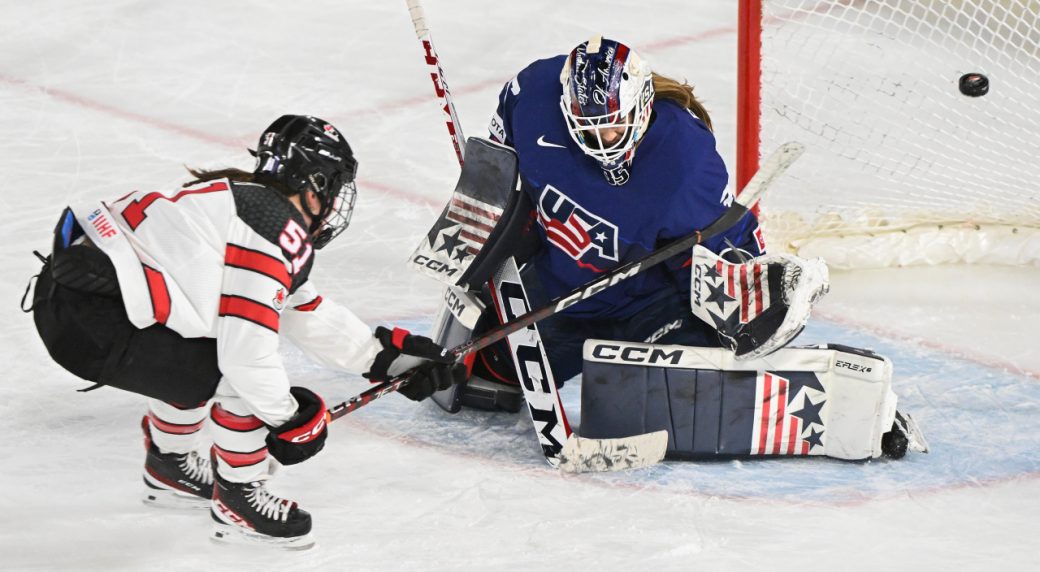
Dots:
pixel 335 212
pixel 585 132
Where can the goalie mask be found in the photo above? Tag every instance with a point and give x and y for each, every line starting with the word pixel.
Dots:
pixel 608 93
pixel 305 153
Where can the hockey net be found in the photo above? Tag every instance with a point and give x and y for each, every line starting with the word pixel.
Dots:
pixel 901 168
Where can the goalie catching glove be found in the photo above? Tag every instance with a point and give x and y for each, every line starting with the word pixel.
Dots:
pixel 435 370
pixel 757 306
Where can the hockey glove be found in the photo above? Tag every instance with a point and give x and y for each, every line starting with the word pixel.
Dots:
pixel 399 341
pixel 758 305
pixel 431 377
pixel 303 436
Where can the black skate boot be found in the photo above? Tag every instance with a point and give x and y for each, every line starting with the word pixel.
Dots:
pixel 904 436
pixel 247 513
pixel 175 480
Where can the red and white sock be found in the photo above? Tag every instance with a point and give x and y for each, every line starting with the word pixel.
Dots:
pixel 175 430
pixel 239 441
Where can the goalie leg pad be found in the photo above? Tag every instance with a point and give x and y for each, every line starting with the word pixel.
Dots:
pixel 829 400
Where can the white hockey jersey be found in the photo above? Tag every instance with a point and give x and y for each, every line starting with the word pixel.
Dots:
pixel 228 261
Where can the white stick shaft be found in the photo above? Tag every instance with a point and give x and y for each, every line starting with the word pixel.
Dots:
pixel 440 85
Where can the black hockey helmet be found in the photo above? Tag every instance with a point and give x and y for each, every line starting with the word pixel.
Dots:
pixel 305 153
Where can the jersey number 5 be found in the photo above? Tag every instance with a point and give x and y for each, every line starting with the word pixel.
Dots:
pixel 292 239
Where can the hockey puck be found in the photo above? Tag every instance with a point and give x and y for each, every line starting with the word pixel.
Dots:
pixel 974 84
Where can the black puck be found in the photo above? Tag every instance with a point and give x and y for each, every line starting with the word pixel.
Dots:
pixel 974 84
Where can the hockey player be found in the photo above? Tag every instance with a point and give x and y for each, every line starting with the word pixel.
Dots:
pixel 693 346
pixel 617 160
pixel 181 297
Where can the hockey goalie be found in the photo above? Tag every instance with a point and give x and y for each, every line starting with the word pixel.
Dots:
pixel 546 209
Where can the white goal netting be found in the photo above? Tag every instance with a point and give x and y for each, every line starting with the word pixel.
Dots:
pixel 901 167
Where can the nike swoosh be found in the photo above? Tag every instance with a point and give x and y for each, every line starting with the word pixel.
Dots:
pixel 543 143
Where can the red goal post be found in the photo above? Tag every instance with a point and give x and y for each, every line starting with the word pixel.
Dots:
pixel 901 167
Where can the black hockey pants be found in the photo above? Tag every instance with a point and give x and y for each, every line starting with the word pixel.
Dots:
pixel 90 335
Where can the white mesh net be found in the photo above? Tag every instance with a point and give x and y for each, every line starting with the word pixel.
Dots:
pixel 902 168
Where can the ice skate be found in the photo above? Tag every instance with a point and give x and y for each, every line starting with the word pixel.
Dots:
pixel 904 436
pixel 247 513
pixel 487 395
pixel 176 480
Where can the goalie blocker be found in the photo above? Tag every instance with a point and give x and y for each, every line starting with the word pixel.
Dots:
pixel 828 400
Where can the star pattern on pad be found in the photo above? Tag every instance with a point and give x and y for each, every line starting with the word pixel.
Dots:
pixel 717 293
pixel 810 412
pixel 814 438
pixel 451 242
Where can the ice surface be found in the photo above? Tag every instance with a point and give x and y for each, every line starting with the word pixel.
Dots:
pixel 100 98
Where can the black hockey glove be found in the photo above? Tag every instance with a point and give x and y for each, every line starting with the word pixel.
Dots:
pixel 301 437
pixel 399 341
pixel 431 377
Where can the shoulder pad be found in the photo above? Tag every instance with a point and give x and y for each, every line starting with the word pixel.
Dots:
pixel 269 213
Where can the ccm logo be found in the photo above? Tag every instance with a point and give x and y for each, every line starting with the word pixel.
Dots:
pixel 853 366
pixel 438 267
pixel 635 354
pixel 314 432
pixel 597 287
pixel 455 304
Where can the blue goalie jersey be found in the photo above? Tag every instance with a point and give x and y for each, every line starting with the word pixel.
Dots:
pixel 588 226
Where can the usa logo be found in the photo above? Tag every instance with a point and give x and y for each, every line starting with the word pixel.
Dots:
pixel 584 236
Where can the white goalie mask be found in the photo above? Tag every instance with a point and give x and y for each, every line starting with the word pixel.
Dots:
pixel 608 95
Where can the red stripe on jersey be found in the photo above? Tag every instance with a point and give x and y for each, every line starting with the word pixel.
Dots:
pixel 173 428
pixel 241 459
pixel 159 293
pixel 250 310
pixel 229 420
pixel 309 306
pixel 134 213
pixel 259 262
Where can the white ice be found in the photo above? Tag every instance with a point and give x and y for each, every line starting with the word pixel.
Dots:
pixel 99 98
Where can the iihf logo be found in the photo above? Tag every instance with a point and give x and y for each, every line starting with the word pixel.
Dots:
pixel 576 231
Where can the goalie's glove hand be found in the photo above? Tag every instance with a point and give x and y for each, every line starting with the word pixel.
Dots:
pixel 302 436
pixel 399 342
pixel 431 377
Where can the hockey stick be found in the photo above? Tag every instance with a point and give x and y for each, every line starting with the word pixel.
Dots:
pixel 422 31
pixel 771 168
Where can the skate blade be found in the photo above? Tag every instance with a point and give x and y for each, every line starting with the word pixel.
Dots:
pixel 231 534
pixel 166 498
pixel 915 439
pixel 581 455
